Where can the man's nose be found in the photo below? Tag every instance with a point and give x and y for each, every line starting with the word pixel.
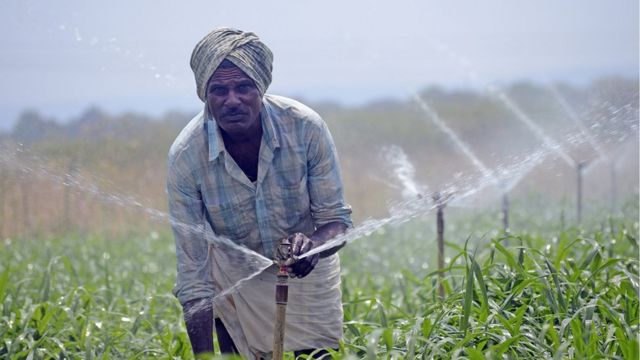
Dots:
pixel 232 99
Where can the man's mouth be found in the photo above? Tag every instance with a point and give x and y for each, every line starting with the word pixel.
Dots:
pixel 234 116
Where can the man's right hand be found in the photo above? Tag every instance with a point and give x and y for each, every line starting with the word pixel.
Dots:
pixel 300 244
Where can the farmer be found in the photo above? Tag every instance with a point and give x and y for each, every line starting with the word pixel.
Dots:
pixel 254 168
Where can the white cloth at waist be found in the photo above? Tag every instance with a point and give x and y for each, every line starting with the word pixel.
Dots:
pixel 314 309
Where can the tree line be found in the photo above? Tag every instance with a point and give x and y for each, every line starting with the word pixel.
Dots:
pixel 102 172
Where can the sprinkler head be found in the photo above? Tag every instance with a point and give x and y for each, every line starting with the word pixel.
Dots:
pixel 582 164
pixel 440 199
pixel 283 255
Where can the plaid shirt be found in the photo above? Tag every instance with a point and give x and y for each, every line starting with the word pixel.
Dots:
pixel 298 189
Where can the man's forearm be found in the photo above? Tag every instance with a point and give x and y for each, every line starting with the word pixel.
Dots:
pixel 198 317
pixel 326 233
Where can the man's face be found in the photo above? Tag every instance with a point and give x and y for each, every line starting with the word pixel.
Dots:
pixel 234 101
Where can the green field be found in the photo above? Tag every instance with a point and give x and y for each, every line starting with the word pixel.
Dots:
pixel 563 293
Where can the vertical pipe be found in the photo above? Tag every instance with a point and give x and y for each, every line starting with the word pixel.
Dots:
pixel 505 212
pixel 614 189
pixel 3 190
pixel 66 199
pixel 440 229
pixel 580 169
pixel 26 211
pixel 282 291
pixel 13 205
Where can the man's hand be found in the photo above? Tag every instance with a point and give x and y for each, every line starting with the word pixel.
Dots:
pixel 300 244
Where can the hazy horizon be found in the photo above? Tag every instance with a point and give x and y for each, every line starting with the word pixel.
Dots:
pixel 134 56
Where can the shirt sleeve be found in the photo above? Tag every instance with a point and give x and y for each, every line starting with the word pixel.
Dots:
pixel 187 217
pixel 324 180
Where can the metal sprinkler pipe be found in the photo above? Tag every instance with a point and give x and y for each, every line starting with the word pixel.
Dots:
pixel 505 212
pixel 282 294
pixel 614 188
pixel 283 259
pixel 505 208
pixel 580 169
pixel 440 204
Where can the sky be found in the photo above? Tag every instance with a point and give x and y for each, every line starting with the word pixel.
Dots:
pixel 60 57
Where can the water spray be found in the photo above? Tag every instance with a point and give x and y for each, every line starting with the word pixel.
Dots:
pixel 500 95
pixel 573 115
pixel 547 141
pixel 454 137
pixel 486 173
pixel 581 166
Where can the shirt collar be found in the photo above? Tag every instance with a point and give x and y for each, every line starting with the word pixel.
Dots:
pixel 268 127
pixel 216 144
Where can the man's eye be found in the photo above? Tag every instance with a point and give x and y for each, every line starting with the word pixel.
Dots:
pixel 218 91
pixel 244 88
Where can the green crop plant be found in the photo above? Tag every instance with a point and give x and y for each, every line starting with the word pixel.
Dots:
pixel 563 294
pixel 573 296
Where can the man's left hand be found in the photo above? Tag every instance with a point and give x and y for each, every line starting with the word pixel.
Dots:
pixel 300 244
